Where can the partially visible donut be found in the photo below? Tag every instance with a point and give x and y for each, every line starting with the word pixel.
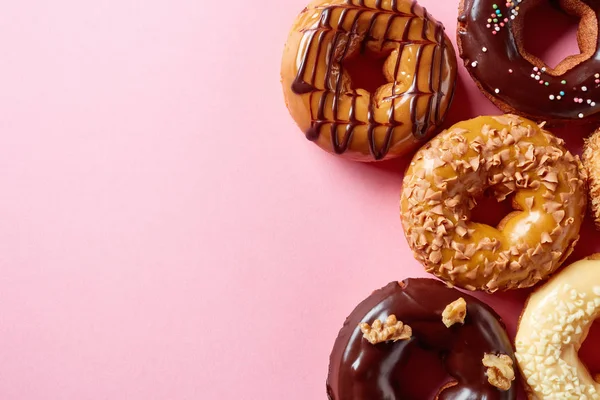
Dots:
pixel 554 324
pixel 508 157
pixel 369 357
pixel 420 70
pixel 591 161
pixel 490 41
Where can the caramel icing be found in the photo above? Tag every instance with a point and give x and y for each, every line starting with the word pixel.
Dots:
pixel 507 156
pixel 420 71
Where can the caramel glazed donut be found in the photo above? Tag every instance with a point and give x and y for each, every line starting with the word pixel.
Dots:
pixel 490 41
pixel 555 322
pixel 372 359
pixel 343 119
pixel 503 156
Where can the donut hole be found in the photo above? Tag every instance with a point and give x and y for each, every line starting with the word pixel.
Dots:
pixel 588 353
pixel 366 70
pixel 553 37
pixel 425 376
pixel 489 210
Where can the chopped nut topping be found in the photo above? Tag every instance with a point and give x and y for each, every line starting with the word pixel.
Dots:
pixel 505 160
pixel 455 312
pixel 500 370
pixel 391 329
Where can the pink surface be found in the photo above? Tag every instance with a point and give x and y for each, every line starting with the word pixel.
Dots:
pixel 166 231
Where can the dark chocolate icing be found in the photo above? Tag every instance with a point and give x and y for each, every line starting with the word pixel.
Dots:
pixel 506 75
pixel 359 370
pixel 354 11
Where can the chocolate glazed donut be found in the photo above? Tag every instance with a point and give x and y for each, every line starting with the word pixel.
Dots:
pixel 359 370
pixel 490 41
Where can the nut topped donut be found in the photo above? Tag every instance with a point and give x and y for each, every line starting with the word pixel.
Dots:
pixel 393 330
pixel 490 41
pixel 339 116
pixel 509 157
pixel 554 324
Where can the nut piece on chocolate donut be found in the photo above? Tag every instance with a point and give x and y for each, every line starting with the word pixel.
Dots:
pixel 360 370
pixel 362 123
pixel 500 370
pixel 454 313
pixel 392 330
pixel 507 157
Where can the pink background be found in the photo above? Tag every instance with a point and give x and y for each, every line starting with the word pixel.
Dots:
pixel 166 232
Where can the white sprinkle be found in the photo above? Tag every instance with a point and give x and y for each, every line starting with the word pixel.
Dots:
pixel 593 104
pixel 512 17
pixel 589 101
pixel 558 97
pixel 497 91
pixel 533 75
pixel 510 71
pixel 580 115
pixel 597 76
pixel 537 77
pixel 543 69
pixel 584 88
pixel 484 49
pixel 474 64
pixel 497 29
pixel 551 97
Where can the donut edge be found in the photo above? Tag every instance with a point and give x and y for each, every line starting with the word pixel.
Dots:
pixel 591 164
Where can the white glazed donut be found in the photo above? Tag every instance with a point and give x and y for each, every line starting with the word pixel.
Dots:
pixel 554 324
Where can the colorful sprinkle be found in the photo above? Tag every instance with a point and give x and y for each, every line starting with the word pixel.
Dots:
pixel 563 82
pixel 547 83
pixel 562 93
pixel 510 71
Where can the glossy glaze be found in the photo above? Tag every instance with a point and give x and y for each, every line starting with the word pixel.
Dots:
pixel 359 370
pixel 509 157
pixel 520 80
pixel 420 70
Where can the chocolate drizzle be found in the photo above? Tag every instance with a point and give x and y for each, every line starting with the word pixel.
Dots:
pixel 360 370
pixel 346 29
pixel 503 73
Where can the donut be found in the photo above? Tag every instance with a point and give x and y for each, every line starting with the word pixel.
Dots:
pixel 339 116
pixel 374 360
pixel 490 42
pixel 553 325
pixel 506 157
pixel 591 162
